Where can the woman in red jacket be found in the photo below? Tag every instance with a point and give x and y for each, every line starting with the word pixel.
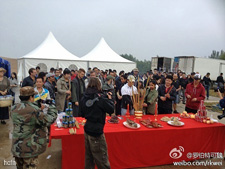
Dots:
pixel 195 92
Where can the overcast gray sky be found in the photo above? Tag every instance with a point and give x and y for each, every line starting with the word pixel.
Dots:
pixel 143 28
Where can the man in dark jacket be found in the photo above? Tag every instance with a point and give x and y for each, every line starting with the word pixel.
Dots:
pixel 108 86
pixel 166 94
pixel 183 83
pixel 31 79
pixel 49 85
pixel 94 106
pixel 220 82
pixel 77 90
pixel 191 79
pixel 206 83
pixel 177 86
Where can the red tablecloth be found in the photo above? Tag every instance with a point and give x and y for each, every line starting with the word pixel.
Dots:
pixel 129 148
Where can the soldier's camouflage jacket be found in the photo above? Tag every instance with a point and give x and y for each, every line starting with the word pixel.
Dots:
pixel 30 129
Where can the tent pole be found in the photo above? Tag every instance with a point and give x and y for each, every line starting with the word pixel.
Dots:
pixel 24 70
pixel 87 65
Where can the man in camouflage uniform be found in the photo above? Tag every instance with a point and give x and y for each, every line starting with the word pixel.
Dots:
pixel 30 129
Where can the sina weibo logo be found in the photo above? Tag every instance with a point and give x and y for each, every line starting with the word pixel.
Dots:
pixel 176 153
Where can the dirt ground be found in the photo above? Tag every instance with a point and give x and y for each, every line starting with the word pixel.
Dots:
pixel 52 157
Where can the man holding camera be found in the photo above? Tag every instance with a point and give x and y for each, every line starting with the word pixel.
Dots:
pixel 94 106
pixel 30 129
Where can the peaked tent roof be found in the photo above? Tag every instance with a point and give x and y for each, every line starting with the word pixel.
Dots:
pixel 102 52
pixel 50 48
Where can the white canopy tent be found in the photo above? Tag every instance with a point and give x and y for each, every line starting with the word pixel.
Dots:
pixel 103 57
pixel 50 53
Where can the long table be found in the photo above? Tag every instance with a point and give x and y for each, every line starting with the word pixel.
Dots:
pixel 143 147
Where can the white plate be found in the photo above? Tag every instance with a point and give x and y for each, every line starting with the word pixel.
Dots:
pixel 171 123
pixel 128 126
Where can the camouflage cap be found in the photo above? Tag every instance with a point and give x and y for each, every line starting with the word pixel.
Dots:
pixel 110 77
pixel 27 91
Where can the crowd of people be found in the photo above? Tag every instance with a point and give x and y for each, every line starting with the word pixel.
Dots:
pixel 165 88
pixel 93 94
pixel 65 86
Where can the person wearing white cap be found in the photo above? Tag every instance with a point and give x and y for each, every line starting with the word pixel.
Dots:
pixel 195 92
pixel 127 92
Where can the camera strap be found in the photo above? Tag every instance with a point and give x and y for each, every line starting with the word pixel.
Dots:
pixel 90 102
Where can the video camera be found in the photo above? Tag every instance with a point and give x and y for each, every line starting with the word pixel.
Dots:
pixel 48 101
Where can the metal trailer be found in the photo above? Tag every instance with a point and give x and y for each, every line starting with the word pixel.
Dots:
pixel 190 64
pixel 162 63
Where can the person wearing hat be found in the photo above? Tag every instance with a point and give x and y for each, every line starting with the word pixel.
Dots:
pixel 195 92
pixel 108 86
pixel 166 95
pixel 4 88
pixel 127 92
pixel 49 85
pixel 29 129
pixel 136 75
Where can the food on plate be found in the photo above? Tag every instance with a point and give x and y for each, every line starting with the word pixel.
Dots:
pixel 174 118
pixel 176 123
pixel 166 119
pixel 131 123
pixel 150 124
pixel 114 119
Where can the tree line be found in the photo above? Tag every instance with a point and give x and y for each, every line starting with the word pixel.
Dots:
pixel 217 55
pixel 143 66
